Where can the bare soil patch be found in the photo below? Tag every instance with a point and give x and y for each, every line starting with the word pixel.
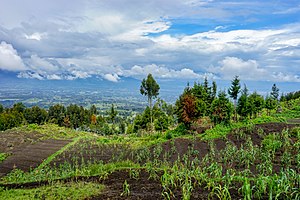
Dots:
pixel 29 156
pixel 11 139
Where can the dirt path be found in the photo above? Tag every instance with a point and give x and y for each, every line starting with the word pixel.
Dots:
pixel 30 156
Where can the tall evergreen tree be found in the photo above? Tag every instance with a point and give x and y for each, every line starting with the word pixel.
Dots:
pixel 243 103
pixel 112 114
pixel 221 109
pixel 233 92
pixel 275 92
pixel 214 89
pixel 150 88
pixel 186 108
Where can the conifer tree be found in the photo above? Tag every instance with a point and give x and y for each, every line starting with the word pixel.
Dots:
pixel 275 92
pixel 233 92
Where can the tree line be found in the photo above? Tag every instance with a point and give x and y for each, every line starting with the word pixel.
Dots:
pixel 198 103
pixel 71 116
pixel 202 100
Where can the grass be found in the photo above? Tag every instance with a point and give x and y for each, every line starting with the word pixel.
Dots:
pixel 48 173
pixel 50 158
pixel 52 131
pixel 57 190
pixel 3 156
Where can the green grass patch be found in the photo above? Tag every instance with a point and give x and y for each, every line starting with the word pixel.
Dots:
pixel 65 171
pixel 134 141
pixel 50 158
pixel 53 131
pixel 57 190
pixel 3 156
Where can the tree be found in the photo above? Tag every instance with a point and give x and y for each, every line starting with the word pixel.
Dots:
pixel 112 114
pixel 275 92
pixel 233 92
pixel 93 110
pixel 150 88
pixel 214 89
pixel 35 115
pixel 56 114
pixel 10 120
pixel 19 107
pixel 270 104
pixel 221 109
pixel 1 108
pixel 243 104
pixel 256 102
pixel 186 108
pixel 93 119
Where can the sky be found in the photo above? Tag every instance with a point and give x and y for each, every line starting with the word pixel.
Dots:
pixel 172 39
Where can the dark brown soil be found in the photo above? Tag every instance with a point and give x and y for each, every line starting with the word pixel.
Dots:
pixel 274 127
pixel 11 139
pixel 30 156
pixel 144 187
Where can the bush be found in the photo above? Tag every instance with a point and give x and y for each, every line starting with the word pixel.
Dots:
pixel 178 131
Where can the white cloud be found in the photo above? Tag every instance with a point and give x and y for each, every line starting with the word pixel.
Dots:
pixel 42 65
pixel 59 40
pixel 161 72
pixel 35 36
pixel 248 70
pixel 53 77
pixel 9 58
pixel 111 77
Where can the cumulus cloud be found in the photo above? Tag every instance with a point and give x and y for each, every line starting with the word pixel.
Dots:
pixel 110 39
pixel 9 58
pixel 248 70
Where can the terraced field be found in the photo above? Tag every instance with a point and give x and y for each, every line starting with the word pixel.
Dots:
pixel 260 157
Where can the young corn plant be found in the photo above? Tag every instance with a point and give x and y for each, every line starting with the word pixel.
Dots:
pixel 187 188
pixel 221 192
pixel 246 189
pixel 134 173
pixel 126 189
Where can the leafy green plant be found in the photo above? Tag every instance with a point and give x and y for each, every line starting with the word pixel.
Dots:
pixel 246 189
pixel 271 143
pixel 221 192
pixel 3 156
